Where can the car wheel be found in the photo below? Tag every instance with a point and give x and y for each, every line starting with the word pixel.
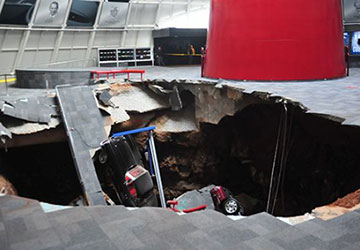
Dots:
pixel 103 157
pixel 231 206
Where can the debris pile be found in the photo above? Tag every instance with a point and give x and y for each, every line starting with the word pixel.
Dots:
pixel 349 201
pixel 339 207
pixel 6 187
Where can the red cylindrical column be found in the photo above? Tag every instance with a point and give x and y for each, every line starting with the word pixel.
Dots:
pixel 275 40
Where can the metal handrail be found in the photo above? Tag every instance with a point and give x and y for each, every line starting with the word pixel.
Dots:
pixel 51 64
pixel 62 62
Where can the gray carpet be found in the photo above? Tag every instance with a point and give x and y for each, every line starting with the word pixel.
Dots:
pixel 24 225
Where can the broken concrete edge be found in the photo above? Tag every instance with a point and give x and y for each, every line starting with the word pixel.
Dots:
pixel 276 99
pixel 30 126
pixel 232 99
pixel 24 128
pixel 38 109
pixel 4 131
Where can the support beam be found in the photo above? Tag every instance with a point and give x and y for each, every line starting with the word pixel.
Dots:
pixel 92 35
pixel 25 38
pixel 60 35
pixel 126 24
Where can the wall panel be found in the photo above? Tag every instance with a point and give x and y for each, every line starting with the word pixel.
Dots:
pixel 43 42
pixel 12 39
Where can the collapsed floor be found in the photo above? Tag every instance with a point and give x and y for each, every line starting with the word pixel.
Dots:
pixel 234 145
pixel 320 165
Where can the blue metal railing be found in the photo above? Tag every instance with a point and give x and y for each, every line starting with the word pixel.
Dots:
pixel 134 131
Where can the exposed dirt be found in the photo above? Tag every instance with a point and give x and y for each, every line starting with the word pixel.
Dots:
pixel 341 206
pixel 349 201
pixel 321 163
pixel 117 88
pixel 6 187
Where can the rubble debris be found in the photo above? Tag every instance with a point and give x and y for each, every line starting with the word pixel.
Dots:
pixel 349 201
pixel 34 109
pixel 196 198
pixel 118 88
pixel 78 201
pixel 20 127
pixel 48 208
pixel 136 99
pixel 159 90
pixel 29 114
pixel 176 122
pixel 339 207
pixel 4 131
pixel 135 121
pixel 210 109
pixel 175 100
pixel 296 219
pixel 117 115
pixel 105 97
pixel 173 94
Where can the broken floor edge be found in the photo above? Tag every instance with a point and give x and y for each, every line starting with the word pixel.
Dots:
pixel 221 84
pixel 279 98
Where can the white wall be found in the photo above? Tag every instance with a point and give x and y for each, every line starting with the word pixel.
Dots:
pixel 27 47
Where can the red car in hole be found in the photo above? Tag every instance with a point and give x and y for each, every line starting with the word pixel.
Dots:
pixel 224 202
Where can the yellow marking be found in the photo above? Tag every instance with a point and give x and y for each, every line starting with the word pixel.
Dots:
pixel 9 80
pixel 174 54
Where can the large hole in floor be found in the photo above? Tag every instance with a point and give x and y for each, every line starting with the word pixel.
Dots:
pixel 321 159
pixel 43 172
pixel 321 162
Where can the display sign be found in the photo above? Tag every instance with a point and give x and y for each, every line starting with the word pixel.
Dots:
pixel 51 13
pixel 346 39
pixel 351 11
pixel 17 12
pixel 355 46
pixel 83 13
pixel 107 55
pixel 126 54
pixel 113 14
pixel 143 54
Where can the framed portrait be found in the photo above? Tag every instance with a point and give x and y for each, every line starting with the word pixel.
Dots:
pixel 51 13
pixel 346 38
pixel 113 14
pixel 355 43
pixel 351 11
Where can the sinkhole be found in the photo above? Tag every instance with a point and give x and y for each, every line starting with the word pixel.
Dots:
pixel 281 160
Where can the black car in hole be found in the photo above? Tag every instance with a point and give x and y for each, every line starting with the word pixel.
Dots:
pixel 122 173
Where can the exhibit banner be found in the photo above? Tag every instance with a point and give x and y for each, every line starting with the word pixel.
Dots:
pixel 113 15
pixel 346 39
pixel 51 13
pixel 351 11
pixel 355 46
